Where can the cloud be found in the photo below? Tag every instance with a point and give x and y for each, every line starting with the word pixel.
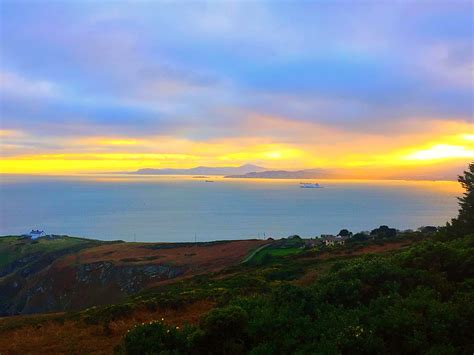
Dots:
pixel 442 151
pixel 236 80
pixel 17 85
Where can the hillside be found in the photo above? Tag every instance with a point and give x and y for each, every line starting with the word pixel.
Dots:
pixel 202 170
pixel 442 172
pixel 284 174
pixel 186 300
pixel 64 273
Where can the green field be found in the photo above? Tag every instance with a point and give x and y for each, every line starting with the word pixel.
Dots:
pixel 284 251
pixel 272 251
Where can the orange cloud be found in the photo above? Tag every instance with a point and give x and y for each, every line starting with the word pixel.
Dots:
pixel 273 142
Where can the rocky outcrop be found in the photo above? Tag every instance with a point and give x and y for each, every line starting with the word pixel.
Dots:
pixel 65 273
pixel 78 287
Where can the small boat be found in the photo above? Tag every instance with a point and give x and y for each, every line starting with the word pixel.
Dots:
pixel 309 185
pixel 209 180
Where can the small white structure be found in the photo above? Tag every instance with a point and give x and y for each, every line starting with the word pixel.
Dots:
pixel 35 234
pixel 331 240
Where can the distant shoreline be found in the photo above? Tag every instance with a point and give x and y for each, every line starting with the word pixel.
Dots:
pixel 228 177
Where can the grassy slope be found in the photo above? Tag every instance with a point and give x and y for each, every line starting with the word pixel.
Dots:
pixel 279 248
pixel 13 248
pixel 115 270
pixel 253 254
pixel 186 300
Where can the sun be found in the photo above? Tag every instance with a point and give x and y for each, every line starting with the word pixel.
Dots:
pixel 442 151
pixel 273 155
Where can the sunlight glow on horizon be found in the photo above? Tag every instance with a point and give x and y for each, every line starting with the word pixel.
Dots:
pixel 271 156
pixel 442 151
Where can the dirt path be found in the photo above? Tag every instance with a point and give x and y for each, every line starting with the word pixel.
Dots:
pixel 255 252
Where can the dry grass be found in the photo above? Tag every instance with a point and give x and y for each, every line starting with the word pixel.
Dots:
pixel 210 257
pixel 75 337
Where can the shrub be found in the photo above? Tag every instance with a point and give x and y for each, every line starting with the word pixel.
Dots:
pixel 107 314
pixel 222 331
pixel 156 338
pixel 285 273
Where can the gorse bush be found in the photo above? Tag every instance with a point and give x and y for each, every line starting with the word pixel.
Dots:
pixel 156 338
pixel 222 331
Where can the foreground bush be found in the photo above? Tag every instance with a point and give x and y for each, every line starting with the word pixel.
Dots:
pixel 155 338
pixel 418 301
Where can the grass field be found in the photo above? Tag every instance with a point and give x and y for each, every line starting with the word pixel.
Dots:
pixel 271 251
pixel 284 251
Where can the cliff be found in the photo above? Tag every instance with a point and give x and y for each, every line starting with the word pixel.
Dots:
pixel 64 273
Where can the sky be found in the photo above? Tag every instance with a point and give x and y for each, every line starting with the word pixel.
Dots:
pixel 97 86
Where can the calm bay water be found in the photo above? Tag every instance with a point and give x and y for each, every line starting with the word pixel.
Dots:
pixel 167 208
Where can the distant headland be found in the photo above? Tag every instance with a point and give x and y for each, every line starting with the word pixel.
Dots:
pixel 202 170
pixel 251 171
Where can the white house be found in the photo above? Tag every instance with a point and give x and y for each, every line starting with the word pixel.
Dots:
pixel 331 240
pixel 35 234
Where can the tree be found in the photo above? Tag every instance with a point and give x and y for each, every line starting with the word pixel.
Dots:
pixel 222 331
pixel 464 223
pixel 358 237
pixel 344 233
pixel 384 232
pixel 465 220
pixel 295 236
pixel 428 229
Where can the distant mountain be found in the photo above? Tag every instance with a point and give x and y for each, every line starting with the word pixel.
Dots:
pixel 430 172
pixel 203 170
pixel 447 172
pixel 286 174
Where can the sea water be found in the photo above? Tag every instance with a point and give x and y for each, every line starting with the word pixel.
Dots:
pixel 183 208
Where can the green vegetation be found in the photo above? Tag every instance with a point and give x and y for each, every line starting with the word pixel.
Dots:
pixel 384 232
pixel 155 337
pixel 281 248
pixel 464 223
pixel 416 300
pixel 284 252
pixel 254 253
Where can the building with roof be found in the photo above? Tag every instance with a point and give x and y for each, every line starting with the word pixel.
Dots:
pixel 331 240
pixel 35 234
